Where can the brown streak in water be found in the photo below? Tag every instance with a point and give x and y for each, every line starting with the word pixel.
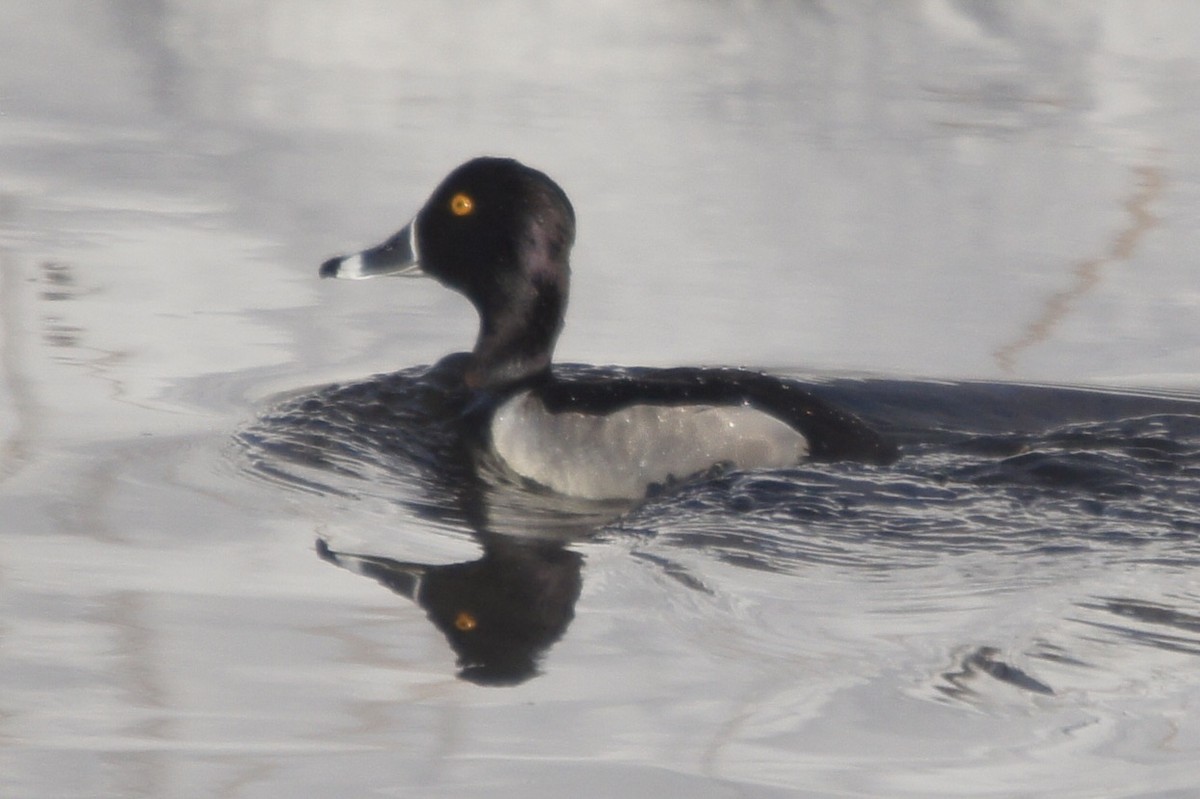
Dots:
pixel 1087 272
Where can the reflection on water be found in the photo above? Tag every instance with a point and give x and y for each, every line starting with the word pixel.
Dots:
pixel 946 189
pixel 1148 623
pixel 499 612
pixel 983 661
pixel 57 285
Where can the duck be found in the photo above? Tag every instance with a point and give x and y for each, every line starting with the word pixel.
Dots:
pixel 500 233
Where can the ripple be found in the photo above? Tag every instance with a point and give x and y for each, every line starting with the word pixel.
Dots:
pixel 1114 483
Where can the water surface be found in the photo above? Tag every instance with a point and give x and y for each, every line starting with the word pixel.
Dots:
pixel 938 214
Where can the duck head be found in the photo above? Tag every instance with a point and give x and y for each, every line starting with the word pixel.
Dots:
pixel 500 233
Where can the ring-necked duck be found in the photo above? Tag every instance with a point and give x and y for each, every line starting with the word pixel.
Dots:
pixel 500 233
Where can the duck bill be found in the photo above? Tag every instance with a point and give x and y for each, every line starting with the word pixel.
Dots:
pixel 401 577
pixel 396 256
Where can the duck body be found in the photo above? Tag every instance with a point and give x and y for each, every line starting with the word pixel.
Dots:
pixel 500 233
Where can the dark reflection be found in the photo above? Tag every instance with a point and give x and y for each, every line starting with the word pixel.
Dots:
pixel 985 662
pixel 499 613
pixel 57 283
pixel 1148 623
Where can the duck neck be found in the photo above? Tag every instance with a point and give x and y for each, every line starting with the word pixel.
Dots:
pixel 517 341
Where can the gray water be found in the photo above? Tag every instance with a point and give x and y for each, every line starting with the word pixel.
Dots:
pixel 920 194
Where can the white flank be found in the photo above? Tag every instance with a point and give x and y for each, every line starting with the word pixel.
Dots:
pixel 620 455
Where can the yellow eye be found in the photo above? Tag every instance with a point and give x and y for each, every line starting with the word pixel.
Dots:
pixel 464 621
pixel 461 204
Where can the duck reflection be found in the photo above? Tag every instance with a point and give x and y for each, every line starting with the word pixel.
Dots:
pixel 408 433
pixel 499 613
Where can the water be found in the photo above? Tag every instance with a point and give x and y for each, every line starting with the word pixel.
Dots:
pixel 937 214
